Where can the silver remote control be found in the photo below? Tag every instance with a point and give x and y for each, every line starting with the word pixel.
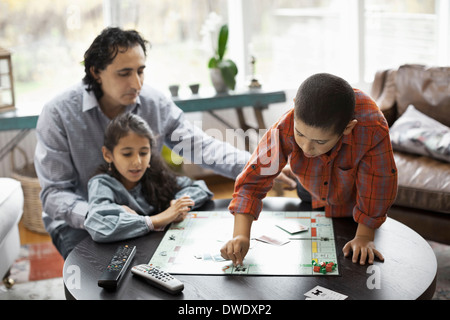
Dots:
pixel 158 278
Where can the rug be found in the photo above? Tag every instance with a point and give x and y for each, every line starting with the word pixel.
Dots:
pixel 37 261
pixel 442 253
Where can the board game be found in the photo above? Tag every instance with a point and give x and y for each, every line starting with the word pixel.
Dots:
pixel 282 243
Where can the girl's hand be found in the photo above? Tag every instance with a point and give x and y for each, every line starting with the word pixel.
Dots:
pixel 181 208
pixel 129 210
pixel 177 211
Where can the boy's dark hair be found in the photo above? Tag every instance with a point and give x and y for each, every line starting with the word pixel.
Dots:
pixel 104 50
pixel 325 101
pixel 159 183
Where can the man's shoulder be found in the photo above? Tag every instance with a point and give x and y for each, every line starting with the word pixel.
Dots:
pixel 152 96
pixel 71 96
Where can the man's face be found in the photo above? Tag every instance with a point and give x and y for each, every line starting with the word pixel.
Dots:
pixel 314 141
pixel 122 80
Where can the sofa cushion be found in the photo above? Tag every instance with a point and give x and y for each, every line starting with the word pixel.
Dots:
pixel 427 88
pixel 417 133
pixel 423 182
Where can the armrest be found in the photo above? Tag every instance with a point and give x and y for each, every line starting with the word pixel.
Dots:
pixel 11 205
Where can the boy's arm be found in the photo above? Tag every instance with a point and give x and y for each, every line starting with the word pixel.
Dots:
pixel 376 192
pixel 252 185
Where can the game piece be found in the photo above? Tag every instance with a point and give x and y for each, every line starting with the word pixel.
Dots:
pixel 323 267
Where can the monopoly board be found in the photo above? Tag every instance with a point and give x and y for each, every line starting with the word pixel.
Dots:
pixel 193 245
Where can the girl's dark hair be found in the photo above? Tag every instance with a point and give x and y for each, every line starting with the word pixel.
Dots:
pixel 159 181
pixel 104 50
pixel 325 101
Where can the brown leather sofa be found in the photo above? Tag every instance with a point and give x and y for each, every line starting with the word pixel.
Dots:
pixel 423 200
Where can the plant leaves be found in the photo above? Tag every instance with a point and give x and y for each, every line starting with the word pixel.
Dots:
pixel 213 63
pixel 229 71
pixel 222 42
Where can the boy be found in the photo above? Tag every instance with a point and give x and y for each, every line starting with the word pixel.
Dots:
pixel 337 144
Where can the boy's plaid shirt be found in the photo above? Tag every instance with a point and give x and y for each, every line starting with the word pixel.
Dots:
pixel 358 178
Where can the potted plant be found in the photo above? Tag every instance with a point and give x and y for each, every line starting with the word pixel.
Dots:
pixel 223 71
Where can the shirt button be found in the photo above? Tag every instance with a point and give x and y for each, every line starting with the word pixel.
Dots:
pixel 325 183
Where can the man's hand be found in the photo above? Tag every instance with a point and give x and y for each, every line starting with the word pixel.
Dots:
pixel 362 246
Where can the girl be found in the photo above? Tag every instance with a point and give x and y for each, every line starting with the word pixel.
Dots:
pixel 135 192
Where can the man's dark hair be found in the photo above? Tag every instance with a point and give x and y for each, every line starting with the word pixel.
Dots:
pixel 104 50
pixel 325 101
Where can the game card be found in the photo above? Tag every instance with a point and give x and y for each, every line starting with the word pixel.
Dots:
pixel 321 293
pixel 292 226
pixel 271 240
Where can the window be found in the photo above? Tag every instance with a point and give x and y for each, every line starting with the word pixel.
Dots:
pixel 293 39
pixel 178 55
pixel 290 39
pixel 399 32
pixel 48 40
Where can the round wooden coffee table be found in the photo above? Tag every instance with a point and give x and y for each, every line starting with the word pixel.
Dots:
pixel 408 272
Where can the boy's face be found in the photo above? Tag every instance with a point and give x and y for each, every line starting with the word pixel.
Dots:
pixel 131 157
pixel 122 80
pixel 316 141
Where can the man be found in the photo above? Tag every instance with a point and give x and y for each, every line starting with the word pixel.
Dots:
pixel 70 131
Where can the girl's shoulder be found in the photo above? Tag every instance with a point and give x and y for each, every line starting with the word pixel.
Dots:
pixel 105 179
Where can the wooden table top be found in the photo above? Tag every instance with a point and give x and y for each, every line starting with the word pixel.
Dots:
pixel 408 272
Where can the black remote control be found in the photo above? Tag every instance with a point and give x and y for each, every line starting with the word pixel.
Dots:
pixel 116 268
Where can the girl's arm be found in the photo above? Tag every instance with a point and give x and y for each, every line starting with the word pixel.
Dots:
pixel 196 190
pixel 107 221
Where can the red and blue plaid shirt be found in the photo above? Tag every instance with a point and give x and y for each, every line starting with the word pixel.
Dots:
pixel 357 178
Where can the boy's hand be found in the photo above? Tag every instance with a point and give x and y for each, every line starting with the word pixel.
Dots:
pixel 362 246
pixel 236 249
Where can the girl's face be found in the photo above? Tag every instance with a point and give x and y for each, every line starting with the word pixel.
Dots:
pixel 131 157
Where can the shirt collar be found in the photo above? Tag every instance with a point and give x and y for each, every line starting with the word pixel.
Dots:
pixel 89 100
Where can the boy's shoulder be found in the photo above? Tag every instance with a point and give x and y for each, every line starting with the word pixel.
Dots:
pixel 368 113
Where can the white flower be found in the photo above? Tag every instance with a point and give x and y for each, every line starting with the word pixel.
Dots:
pixel 210 31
